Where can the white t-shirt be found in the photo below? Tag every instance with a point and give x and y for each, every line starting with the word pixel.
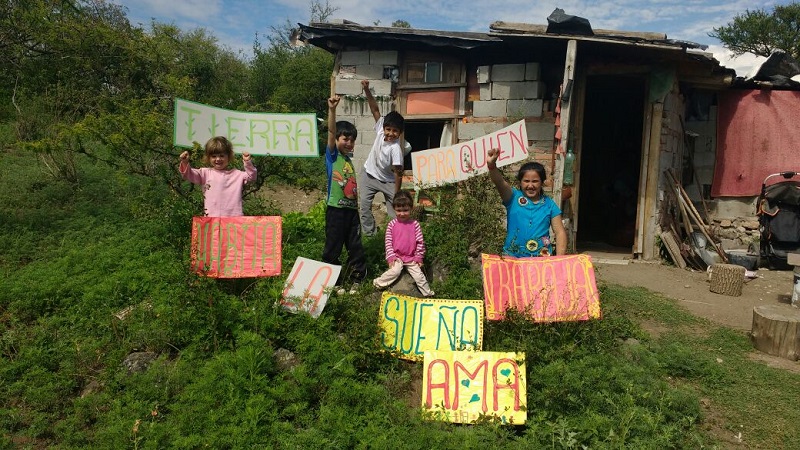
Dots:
pixel 383 156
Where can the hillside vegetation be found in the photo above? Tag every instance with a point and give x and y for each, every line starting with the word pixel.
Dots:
pixel 94 270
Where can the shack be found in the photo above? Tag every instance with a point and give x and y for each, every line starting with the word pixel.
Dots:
pixel 633 107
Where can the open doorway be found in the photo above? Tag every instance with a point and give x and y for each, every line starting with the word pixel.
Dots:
pixel 425 135
pixel 611 153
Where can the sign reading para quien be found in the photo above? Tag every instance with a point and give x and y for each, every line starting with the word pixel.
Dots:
pixel 463 387
pixel 444 165
pixel 236 247
pixel 412 325
pixel 256 133
pixel 545 289
pixel 308 286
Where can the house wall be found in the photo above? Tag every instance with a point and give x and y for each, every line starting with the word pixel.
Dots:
pixel 508 93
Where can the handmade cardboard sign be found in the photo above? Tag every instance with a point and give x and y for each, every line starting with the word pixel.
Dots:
pixel 445 165
pixel 545 288
pixel 308 286
pixel 256 133
pixel 236 247
pixel 463 387
pixel 412 325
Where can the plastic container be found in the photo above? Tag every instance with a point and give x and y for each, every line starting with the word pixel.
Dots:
pixel 741 257
pixel 569 163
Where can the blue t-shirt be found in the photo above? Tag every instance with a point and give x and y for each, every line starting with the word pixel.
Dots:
pixel 528 225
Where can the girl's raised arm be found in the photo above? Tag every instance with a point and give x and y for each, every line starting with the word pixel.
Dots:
pixel 503 188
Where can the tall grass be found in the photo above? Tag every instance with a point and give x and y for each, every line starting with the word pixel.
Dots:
pixel 74 255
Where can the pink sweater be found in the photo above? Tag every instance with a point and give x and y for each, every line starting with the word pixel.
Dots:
pixel 404 241
pixel 222 189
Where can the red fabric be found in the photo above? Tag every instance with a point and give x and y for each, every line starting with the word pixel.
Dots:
pixel 758 134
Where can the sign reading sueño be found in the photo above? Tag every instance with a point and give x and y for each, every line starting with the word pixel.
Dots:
pixel 256 133
pixel 445 165
pixel 236 247
pixel 463 387
pixel 413 325
pixel 545 288
pixel 308 286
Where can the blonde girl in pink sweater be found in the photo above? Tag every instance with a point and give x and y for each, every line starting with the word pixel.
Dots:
pixel 222 186
pixel 405 247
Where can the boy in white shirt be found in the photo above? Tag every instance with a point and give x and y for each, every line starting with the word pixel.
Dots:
pixel 383 169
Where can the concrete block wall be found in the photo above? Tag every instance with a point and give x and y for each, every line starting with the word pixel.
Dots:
pixel 360 65
pixel 516 85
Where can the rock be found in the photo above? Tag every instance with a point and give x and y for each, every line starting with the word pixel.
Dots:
pixel 91 388
pixel 139 361
pixel 286 359
pixel 750 224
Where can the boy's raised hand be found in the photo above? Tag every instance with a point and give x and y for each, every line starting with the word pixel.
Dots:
pixel 184 156
pixel 246 156
pixel 333 102
pixel 365 84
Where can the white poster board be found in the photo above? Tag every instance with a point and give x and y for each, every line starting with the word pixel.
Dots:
pixel 308 286
pixel 446 165
pixel 255 133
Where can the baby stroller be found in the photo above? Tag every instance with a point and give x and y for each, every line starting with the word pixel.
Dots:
pixel 778 210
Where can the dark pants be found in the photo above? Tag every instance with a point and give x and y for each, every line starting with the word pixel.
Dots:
pixel 342 228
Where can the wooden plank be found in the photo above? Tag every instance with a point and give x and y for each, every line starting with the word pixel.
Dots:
pixel 569 75
pixel 579 96
pixel 793 259
pixel 673 249
pixel 696 216
pixel 640 203
pixel 651 191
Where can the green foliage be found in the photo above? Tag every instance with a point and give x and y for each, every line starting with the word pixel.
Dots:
pixel 762 32
pixel 469 222
pixel 94 251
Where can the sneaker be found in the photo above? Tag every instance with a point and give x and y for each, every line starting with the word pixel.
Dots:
pixel 354 288
pixel 340 290
pixel 431 295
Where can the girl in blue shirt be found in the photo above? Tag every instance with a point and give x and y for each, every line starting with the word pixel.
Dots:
pixel 529 212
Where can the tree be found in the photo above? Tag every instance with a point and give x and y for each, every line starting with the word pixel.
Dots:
pixel 761 32
pixel 401 24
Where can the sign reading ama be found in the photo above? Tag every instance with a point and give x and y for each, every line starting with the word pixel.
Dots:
pixel 545 288
pixel 236 247
pixel 256 133
pixel 413 325
pixel 445 165
pixel 463 387
pixel 308 286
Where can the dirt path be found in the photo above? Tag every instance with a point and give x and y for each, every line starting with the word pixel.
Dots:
pixel 690 288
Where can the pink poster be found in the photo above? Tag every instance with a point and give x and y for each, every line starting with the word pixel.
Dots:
pixel 545 289
pixel 236 247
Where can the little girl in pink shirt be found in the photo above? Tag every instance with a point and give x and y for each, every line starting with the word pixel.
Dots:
pixel 222 186
pixel 405 247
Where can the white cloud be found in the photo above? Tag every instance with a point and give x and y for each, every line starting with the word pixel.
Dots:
pixel 743 64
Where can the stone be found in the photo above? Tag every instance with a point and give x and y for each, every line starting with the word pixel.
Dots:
pixel 138 361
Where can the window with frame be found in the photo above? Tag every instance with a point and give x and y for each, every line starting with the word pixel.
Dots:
pixel 432 72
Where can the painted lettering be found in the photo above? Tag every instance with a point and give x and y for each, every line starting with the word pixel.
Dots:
pixel 411 326
pixel 546 289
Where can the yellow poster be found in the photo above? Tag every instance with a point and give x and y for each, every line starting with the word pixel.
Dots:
pixel 464 387
pixel 413 325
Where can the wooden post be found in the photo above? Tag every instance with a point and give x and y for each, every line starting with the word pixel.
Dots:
pixel 776 330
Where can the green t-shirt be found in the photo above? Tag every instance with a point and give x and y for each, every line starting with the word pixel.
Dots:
pixel 341 181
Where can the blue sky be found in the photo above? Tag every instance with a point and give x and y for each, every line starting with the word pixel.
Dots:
pixel 235 23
